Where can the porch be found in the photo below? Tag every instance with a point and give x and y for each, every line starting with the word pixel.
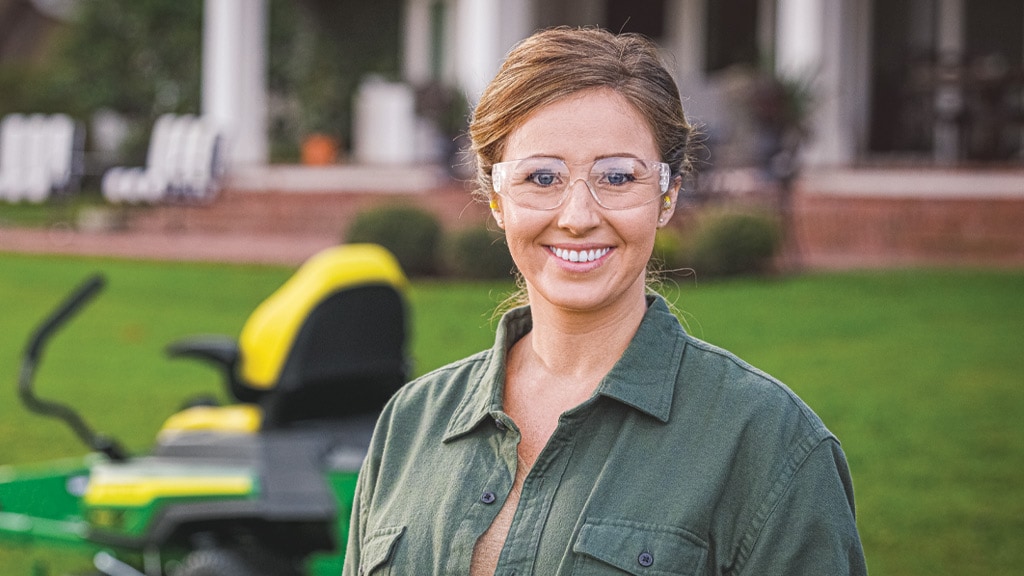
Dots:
pixel 842 218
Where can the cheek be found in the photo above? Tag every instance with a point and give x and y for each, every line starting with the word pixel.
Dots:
pixel 641 233
pixel 520 231
pixel 524 223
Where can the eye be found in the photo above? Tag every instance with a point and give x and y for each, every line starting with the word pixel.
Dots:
pixel 617 172
pixel 617 178
pixel 543 178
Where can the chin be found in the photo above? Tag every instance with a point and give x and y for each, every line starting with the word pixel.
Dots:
pixel 575 297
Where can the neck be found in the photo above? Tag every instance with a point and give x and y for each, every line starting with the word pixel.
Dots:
pixel 583 346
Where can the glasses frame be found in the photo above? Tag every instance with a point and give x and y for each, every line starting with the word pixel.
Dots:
pixel 499 173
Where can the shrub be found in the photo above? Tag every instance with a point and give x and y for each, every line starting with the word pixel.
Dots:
pixel 733 243
pixel 477 252
pixel 413 235
pixel 669 256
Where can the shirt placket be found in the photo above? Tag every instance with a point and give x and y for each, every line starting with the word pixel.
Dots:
pixel 494 489
pixel 519 555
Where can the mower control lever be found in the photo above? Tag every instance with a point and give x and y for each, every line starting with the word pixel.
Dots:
pixel 33 353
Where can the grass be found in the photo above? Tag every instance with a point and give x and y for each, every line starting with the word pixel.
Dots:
pixel 917 372
pixel 60 212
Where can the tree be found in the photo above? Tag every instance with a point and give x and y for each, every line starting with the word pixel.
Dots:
pixel 143 58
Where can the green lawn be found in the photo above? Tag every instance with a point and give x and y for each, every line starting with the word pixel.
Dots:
pixel 918 372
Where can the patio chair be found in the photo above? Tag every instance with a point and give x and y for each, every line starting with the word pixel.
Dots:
pixel 183 151
pixel 12 150
pixel 200 168
pixel 40 155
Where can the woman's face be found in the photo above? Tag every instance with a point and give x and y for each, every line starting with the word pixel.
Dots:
pixel 546 244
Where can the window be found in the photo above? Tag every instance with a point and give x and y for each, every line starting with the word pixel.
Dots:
pixel 646 18
pixel 731 33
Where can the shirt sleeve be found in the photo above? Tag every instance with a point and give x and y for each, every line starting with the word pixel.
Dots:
pixel 810 529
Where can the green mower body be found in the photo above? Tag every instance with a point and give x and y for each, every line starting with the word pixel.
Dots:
pixel 260 487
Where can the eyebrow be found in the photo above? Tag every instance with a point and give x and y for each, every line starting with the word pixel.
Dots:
pixel 595 159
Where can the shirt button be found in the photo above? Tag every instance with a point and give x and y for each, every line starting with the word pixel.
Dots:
pixel 488 497
pixel 499 424
pixel 646 559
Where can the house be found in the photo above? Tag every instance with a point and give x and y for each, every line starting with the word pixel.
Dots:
pixel 917 117
pixel 915 125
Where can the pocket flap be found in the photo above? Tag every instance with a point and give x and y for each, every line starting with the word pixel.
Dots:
pixel 378 546
pixel 640 548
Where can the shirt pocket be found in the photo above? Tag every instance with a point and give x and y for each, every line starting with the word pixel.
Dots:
pixel 378 551
pixel 605 547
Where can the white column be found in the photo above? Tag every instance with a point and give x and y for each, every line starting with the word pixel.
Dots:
pixel 515 22
pixel 951 28
pixel 815 44
pixel 416 42
pixel 798 37
pixel 685 46
pixel 483 31
pixel 234 76
pixel 948 95
pixel 478 55
pixel 686 38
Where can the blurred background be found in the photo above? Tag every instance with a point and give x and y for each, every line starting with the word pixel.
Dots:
pixel 876 132
pixel 860 167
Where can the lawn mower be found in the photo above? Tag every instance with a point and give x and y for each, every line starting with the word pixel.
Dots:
pixel 260 486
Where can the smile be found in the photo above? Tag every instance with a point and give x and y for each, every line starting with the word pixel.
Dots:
pixel 579 255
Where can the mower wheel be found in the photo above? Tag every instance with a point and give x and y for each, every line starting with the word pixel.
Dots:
pixel 234 562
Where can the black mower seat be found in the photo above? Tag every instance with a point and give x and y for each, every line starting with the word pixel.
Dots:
pixel 330 343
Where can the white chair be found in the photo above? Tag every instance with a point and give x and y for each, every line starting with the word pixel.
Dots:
pixel 35 178
pixel 12 152
pixel 66 150
pixel 122 184
pixel 201 168
pixel 177 147
pixel 39 155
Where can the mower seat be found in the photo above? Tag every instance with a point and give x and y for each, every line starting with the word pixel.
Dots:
pixel 330 343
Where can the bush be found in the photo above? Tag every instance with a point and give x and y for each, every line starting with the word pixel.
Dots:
pixel 477 253
pixel 413 235
pixel 733 243
pixel 669 256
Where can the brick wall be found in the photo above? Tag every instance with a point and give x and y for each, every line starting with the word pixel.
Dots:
pixel 303 213
pixel 832 230
pixel 857 231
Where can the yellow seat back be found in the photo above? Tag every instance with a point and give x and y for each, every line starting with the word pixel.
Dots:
pixel 270 333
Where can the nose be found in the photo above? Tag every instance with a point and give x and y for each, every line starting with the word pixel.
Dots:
pixel 579 212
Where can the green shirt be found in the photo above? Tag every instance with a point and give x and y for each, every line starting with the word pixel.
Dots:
pixel 686 460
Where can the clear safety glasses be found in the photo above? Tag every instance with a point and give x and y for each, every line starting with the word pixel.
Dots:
pixel 615 183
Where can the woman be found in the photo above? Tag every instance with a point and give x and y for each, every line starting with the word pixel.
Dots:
pixel 596 436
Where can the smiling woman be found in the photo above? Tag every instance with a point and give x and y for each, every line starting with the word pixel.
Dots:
pixel 610 278
pixel 596 436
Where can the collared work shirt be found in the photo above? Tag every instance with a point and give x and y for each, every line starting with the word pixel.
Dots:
pixel 686 460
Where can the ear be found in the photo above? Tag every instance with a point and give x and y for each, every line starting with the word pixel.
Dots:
pixel 496 211
pixel 668 201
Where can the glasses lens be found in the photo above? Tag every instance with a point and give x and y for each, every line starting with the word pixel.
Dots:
pixel 621 183
pixel 535 182
pixel 617 183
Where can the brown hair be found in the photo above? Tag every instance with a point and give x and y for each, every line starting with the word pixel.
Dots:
pixel 557 62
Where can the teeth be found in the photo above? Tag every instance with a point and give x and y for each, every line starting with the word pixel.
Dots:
pixel 580 255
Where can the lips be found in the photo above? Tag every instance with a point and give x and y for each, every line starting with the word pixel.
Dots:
pixel 579 255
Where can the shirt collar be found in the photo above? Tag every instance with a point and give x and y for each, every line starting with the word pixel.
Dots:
pixel 483 396
pixel 646 374
pixel 643 378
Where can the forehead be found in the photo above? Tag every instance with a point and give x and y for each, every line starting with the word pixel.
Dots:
pixel 583 127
